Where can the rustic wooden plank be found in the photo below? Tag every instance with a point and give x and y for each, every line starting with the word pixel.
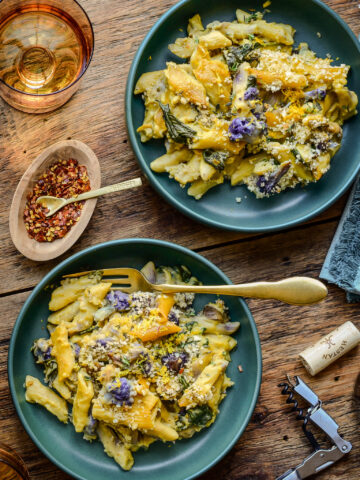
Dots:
pixel 273 441
pixel 19 273
pixel 96 116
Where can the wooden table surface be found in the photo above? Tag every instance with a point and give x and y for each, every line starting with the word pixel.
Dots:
pixel 273 441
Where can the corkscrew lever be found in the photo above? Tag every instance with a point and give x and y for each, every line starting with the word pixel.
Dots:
pixel 319 459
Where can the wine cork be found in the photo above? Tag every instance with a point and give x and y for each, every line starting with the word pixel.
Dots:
pixel 330 348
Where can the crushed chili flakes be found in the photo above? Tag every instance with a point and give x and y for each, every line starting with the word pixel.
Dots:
pixel 64 179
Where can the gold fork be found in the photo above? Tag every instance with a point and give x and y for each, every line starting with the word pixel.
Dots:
pixel 293 290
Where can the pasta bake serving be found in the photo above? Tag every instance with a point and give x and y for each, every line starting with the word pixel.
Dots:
pixel 247 106
pixel 137 367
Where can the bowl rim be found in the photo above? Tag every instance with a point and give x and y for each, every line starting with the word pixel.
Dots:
pixel 77 80
pixel 152 177
pixel 67 263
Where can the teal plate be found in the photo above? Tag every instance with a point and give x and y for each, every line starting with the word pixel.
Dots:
pixel 185 459
pixel 218 207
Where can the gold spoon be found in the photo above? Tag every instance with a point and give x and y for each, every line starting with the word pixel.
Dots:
pixel 53 204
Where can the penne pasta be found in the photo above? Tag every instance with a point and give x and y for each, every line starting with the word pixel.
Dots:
pixel 136 368
pixel 38 393
pixel 244 88
pixel 63 353
pixel 114 448
pixel 82 401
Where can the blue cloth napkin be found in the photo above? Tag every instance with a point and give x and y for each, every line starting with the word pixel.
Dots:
pixel 342 263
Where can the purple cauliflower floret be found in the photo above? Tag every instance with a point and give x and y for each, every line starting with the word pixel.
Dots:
pixel 76 349
pixel 322 146
pixel 119 300
pixel 121 392
pixel 42 351
pixel 251 93
pixel 91 427
pixel 325 146
pixel 46 355
pixel 317 94
pixel 245 129
pixel 104 341
pixel 173 317
pixel 175 361
pixel 146 367
pixel 240 128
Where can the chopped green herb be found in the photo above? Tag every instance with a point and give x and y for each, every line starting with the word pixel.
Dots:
pixel 251 81
pixel 234 67
pixel 189 325
pixel 50 371
pixel 234 56
pixel 183 382
pixel 297 155
pixel 251 18
pixel 88 330
pixel 125 362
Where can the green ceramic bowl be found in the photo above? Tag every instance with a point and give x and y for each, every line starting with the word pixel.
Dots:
pixel 187 458
pixel 218 207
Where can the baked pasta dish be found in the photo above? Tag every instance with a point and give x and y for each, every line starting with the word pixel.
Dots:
pixel 133 368
pixel 247 106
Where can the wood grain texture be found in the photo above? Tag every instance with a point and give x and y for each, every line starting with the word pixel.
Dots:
pixel 95 115
pixel 273 442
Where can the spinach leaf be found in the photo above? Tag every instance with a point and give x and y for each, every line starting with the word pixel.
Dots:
pixel 185 274
pixel 215 158
pixel 178 131
pixel 183 382
pixel 200 416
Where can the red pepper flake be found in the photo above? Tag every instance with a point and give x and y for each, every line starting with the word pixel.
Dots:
pixel 64 179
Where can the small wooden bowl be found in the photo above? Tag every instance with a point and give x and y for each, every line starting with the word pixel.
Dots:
pixel 29 247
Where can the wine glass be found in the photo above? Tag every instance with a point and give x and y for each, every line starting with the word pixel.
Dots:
pixel 12 466
pixel 46 46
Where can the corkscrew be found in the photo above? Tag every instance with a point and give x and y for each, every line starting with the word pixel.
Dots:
pixel 315 414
